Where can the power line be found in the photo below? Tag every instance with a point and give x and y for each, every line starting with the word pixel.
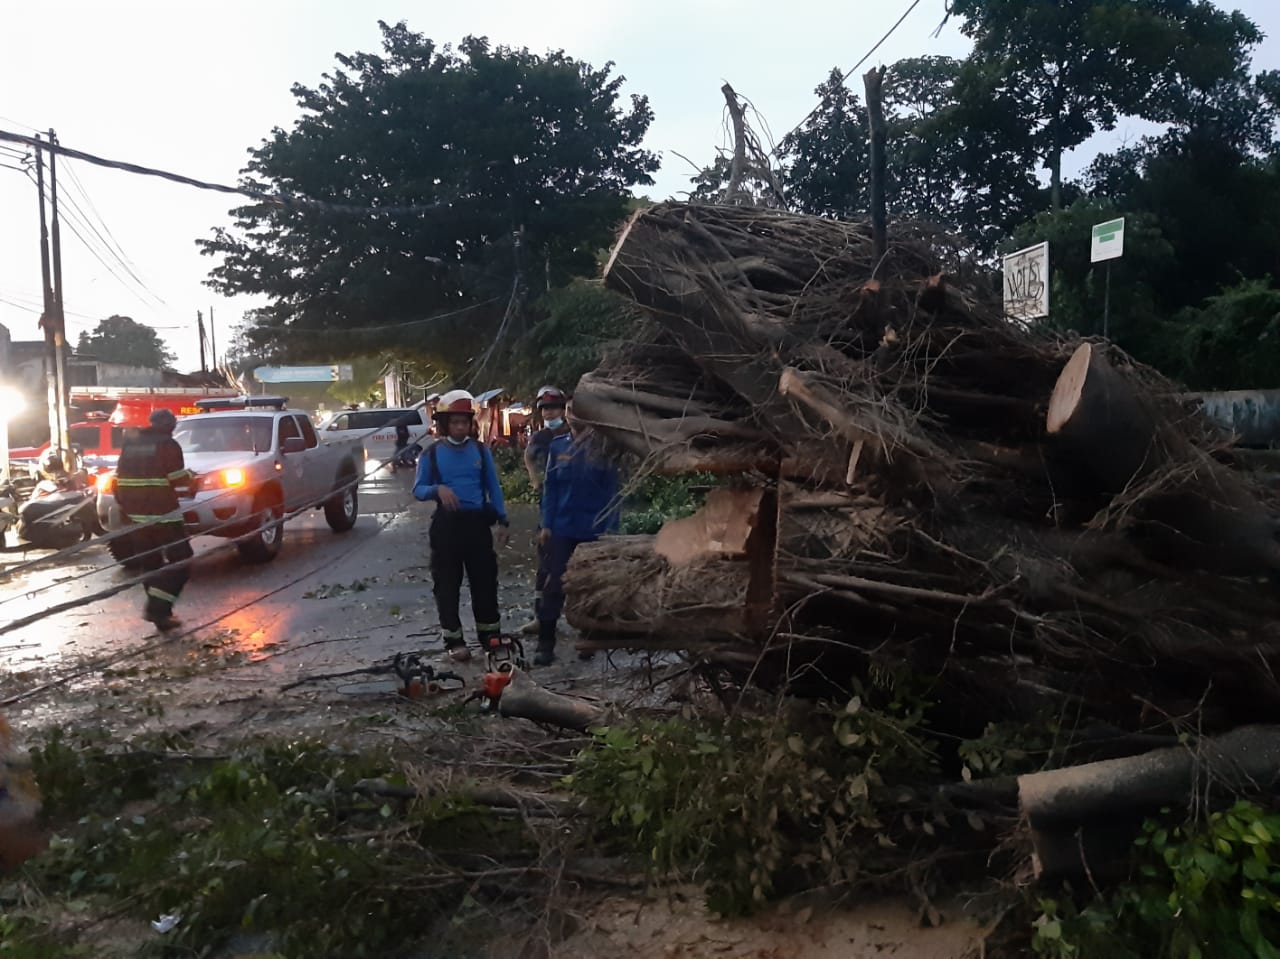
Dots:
pixel 288 201
pixel 115 250
pixel 848 73
pixel 70 214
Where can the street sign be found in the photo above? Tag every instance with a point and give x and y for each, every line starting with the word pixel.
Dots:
pixel 303 374
pixel 1026 282
pixel 1108 241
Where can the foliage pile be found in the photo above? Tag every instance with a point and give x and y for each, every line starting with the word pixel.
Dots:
pixel 276 843
pixel 761 806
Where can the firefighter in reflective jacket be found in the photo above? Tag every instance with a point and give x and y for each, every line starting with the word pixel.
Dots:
pixel 149 475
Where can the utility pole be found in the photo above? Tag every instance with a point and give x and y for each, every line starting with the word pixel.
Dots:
pixel 874 80
pixel 60 330
pixel 47 320
pixel 200 329
pixel 213 341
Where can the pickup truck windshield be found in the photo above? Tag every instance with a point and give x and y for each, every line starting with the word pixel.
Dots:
pixel 224 434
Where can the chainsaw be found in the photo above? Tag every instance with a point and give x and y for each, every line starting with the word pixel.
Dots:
pixel 503 655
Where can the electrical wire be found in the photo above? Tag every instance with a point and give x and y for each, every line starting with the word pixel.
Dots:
pixel 285 200
pixel 113 247
pixel 848 73
pixel 70 215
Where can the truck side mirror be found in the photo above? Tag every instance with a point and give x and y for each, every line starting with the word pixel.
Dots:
pixel 294 444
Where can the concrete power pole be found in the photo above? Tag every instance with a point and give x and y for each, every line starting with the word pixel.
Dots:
pixel 60 321
pixel 48 319
pixel 200 330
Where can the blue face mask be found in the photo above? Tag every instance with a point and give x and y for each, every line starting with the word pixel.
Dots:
pixel 554 424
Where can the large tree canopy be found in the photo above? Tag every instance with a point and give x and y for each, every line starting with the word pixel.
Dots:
pixel 122 339
pixel 1076 66
pixel 520 164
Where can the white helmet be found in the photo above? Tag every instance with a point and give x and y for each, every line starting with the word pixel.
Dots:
pixel 456 401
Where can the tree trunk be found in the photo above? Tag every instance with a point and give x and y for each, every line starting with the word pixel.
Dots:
pixel 1192 508
pixel 525 699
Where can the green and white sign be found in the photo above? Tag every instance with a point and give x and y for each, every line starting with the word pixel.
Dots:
pixel 1108 241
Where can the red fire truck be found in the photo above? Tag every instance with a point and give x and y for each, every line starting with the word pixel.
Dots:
pixel 100 435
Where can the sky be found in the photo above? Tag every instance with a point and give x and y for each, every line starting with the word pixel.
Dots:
pixel 191 88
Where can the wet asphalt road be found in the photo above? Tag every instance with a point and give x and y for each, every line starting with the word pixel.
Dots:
pixel 331 598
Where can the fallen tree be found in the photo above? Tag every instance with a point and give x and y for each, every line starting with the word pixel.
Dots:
pixel 1035 525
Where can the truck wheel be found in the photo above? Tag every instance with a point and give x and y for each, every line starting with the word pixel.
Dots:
pixel 341 509
pixel 122 550
pixel 264 545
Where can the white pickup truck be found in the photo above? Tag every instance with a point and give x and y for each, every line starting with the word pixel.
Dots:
pixel 377 428
pixel 254 467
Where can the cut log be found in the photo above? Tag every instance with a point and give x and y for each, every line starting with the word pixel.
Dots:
pixel 525 699
pixel 1112 431
pixel 1246 760
pixel 620 587
pixel 1085 817
pixel 1196 508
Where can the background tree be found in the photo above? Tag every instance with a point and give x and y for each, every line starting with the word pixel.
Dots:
pixel 1076 66
pixel 121 339
pixel 965 166
pixel 581 321
pixel 520 164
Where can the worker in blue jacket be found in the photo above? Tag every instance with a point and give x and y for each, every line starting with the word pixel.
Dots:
pixel 458 473
pixel 580 500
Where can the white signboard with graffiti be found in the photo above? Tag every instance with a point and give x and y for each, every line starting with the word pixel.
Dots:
pixel 1026 283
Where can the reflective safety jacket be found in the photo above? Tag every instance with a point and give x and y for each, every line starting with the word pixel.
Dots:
pixel 149 474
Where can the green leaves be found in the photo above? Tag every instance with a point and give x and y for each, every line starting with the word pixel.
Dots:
pixel 520 162
pixel 1203 890
pixel 121 339
pixel 751 806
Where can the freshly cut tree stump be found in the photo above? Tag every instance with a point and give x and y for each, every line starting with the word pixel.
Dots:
pixel 1197 509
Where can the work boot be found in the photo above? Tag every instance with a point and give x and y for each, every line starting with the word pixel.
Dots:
pixel 163 621
pixel 546 653
pixel 456 647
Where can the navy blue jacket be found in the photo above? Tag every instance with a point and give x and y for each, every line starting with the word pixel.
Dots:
pixel 468 470
pixel 580 496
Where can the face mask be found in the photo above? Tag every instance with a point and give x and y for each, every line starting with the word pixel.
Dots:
pixel 554 424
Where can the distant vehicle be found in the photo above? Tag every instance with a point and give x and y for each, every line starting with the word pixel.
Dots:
pixel 256 463
pixel 380 445
pixel 97 441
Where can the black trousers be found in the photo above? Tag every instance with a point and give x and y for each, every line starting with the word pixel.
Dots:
pixel 539 581
pixel 461 542
pixel 163 544
pixel 559 550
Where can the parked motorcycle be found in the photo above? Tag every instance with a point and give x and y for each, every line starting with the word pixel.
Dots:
pixel 59 513
pixel 9 500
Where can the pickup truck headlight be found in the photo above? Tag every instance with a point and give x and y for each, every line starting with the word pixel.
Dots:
pixel 222 479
